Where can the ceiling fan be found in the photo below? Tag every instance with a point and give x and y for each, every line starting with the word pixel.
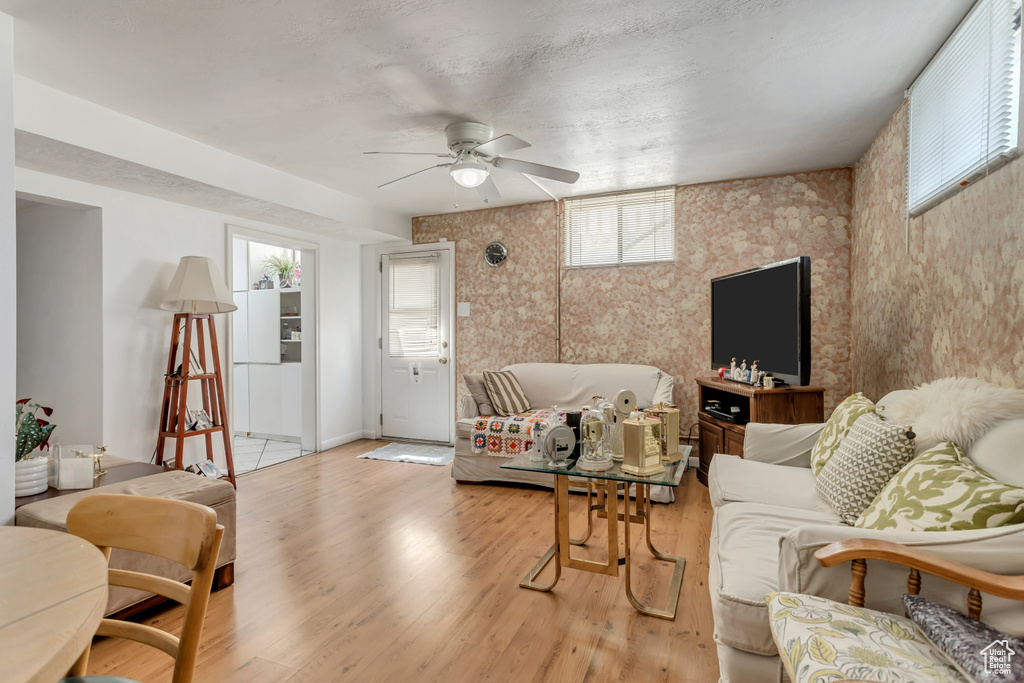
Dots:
pixel 473 150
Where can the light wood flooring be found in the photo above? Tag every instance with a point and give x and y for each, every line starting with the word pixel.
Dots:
pixel 362 570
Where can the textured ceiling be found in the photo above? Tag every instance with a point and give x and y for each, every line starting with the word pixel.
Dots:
pixel 629 93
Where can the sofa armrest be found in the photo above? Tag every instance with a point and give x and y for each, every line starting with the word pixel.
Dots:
pixel 467 407
pixel 781 444
pixel 663 392
pixel 999 550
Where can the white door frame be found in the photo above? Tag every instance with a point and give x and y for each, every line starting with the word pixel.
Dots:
pixel 377 382
pixel 275 240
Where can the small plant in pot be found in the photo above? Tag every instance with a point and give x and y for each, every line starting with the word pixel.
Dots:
pixel 32 432
pixel 282 266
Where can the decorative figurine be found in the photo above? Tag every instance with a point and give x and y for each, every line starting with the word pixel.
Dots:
pixel 744 374
pixel 753 371
pixel 721 372
pixel 732 368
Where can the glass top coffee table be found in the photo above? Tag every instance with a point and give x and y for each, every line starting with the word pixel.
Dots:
pixel 605 485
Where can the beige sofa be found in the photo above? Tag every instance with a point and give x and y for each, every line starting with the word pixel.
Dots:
pixel 569 387
pixel 769 521
pixel 217 494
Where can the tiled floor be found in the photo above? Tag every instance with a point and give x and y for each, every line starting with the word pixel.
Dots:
pixel 253 454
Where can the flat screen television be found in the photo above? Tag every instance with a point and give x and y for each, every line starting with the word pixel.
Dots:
pixel 764 314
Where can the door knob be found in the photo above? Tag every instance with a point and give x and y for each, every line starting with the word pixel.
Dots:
pixel 442 360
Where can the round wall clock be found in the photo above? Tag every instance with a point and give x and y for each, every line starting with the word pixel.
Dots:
pixel 495 254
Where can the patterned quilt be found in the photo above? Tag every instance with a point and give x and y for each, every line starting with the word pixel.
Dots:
pixel 507 437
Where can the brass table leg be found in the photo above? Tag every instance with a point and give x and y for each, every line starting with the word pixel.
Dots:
pixel 643 493
pixel 529 581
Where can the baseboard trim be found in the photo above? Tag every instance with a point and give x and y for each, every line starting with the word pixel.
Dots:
pixel 694 461
pixel 336 441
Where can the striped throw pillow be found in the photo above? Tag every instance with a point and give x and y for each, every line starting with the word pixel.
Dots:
pixel 506 395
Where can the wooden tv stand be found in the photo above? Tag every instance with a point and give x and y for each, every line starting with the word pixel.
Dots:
pixel 785 405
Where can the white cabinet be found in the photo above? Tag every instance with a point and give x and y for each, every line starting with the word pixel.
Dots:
pixel 264 324
pixel 241 388
pixel 265 399
pixel 275 399
pixel 291 399
pixel 240 328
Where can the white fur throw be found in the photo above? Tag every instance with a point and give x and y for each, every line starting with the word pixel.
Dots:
pixel 957 409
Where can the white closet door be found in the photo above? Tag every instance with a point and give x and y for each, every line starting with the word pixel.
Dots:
pixel 241 384
pixel 265 399
pixel 240 328
pixel 291 399
pixel 264 326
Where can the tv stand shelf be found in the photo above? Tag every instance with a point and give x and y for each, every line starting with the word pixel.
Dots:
pixel 783 405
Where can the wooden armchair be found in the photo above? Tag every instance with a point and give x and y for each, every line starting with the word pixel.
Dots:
pixel 820 639
pixel 859 551
pixel 178 530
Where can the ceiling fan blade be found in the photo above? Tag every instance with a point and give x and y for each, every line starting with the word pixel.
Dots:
pixel 501 145
pixel 422 154
pixel 539 170
pixel 412 174
pixel 543 189
pixel 488 190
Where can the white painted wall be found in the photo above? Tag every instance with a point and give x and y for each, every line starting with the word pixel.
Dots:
pixel 60 331
pixel 341 346
pixel 8 266
pixel 143 239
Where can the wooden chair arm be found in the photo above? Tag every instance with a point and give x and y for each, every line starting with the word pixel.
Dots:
pixel 859 550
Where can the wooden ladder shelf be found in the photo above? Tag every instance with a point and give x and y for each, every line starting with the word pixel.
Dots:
pixel 174 408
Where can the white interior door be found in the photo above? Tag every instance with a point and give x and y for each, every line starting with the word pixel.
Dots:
pixel 416 336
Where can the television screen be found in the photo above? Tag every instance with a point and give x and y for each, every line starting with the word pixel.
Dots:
pixel 764 314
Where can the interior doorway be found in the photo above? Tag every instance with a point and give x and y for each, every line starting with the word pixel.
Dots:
pixel 273 343
pixel 417 344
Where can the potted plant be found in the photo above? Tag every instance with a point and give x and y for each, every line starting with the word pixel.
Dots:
pixel 282 266
pixel 33 432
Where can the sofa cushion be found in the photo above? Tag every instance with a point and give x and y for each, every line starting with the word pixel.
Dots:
pixel 744 568
pixel 1000 453
pixel 941 490
pixel 871 454
pixel 842 419
pixel 572 386
pixel 825 640
pixel 966 641
pixel 475 384
pixel 732 479
pixel 506 393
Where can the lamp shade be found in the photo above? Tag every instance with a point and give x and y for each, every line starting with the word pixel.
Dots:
pixel 198 287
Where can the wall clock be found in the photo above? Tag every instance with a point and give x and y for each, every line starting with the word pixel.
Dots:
pixel 495 254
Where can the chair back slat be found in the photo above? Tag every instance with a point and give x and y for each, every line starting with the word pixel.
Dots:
pixel 169 588
pixel 140 633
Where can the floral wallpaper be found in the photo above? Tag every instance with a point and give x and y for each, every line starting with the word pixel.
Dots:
pixel 951 304
pixel 653 314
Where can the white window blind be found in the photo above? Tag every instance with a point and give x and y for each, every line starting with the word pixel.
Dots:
pixel 413 306
pixel 631 227
pixel 964 107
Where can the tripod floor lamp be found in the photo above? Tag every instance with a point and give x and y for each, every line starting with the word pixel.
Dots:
pixel 197 292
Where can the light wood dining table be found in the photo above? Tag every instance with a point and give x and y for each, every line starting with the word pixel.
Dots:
pixel 53 592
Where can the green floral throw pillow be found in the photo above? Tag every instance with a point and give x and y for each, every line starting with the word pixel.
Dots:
pixel 941 490
pixel 823 640
pixel 843 417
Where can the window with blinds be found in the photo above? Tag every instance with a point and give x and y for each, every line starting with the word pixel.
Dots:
pixel 631 227
pixel 964 107
pixel 413 306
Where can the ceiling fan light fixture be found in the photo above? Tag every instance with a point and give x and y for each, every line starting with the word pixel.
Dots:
pixel 468 173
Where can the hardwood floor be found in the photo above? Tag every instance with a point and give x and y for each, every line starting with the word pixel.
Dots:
pixel 362 570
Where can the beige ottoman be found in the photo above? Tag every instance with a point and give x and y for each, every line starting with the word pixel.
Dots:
pixel 214 493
